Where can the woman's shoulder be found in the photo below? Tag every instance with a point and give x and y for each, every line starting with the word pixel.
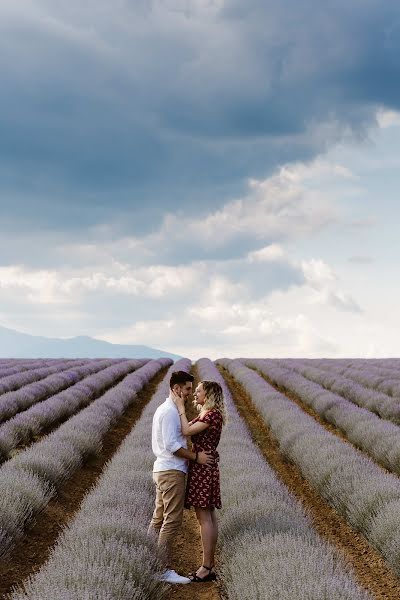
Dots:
pixel 215 411
pixel 212 415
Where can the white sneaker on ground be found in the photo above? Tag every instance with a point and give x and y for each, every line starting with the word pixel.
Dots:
pixel 171 576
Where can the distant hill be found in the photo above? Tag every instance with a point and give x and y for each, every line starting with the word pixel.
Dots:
pixel 14 344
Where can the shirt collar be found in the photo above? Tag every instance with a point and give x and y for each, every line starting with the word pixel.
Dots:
pixel 171 402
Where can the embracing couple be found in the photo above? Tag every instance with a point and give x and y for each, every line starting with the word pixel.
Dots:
pixel 186 478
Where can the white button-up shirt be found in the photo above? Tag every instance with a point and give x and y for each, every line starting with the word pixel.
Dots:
pixel 167 438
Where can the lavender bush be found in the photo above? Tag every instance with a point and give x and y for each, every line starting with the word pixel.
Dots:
pixel 269 548
pixel 354 485
pixel 382 404
pixel 390 367
pixel 56 457
pixel 22 427
pixel 105 552
pixel 13 402
pixel 12 368
pixel 384 363
pixel 367 374
pixel 378 438
pixel 16 381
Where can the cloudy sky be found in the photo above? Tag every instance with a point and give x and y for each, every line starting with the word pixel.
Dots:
pixel 209 177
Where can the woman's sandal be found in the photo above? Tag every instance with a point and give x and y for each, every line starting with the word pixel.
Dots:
pixel 210 577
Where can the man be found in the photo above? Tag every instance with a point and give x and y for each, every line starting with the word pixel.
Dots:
pixel 170 467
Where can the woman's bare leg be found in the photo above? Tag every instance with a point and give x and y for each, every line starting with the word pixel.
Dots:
pixel 215 523
pixel 209 535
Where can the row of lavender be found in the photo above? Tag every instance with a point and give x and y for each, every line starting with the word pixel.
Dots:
pixel 114 557
pixel 33 414
pixel 21 378
pixel 366 372
pixel 29 480
pixel 14 368
pixel 269 548
pixel 384 363
pixel 380 439
pixel 385 405
pixel 105 552
pixel 360 490
pixel 28 393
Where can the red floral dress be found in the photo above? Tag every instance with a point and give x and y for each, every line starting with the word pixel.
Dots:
pixel 203 487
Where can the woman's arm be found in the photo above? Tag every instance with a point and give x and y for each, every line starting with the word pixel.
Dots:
pixel 187 428
pixel 190 428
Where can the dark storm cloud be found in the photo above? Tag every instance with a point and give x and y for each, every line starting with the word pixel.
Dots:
pixel 119 112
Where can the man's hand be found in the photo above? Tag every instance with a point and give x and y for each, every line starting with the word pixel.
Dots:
pixel 205 458
pixel 179 401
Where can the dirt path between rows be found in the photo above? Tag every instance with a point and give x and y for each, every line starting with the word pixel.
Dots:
pixel 187 552
pixel 187 559
pixel 33 549
pixel 370 569
pixel 325 424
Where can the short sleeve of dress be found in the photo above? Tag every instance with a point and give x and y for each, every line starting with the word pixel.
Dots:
pixel 210 417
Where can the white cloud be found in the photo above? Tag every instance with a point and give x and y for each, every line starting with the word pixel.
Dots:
pixel 342 300
pixel 388 118
pixel 48 287
pixel 223 329
pixel 197 309
pixel 278 207
pixel 294 203
pixel 281 207
pixel 319 168
pixel 41 286
pixel 159 331
pixel 317 273
pixel 321 278
pixel 262 302
pixel 271 253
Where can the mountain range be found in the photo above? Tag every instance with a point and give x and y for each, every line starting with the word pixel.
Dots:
pixel 14 344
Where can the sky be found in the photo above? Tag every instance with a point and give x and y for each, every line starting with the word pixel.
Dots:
pixel 209 177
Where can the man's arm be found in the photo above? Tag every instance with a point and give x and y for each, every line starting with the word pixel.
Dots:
pixel 169 433
pixel 203 458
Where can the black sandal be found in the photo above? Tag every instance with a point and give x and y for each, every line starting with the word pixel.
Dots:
pixel 210 577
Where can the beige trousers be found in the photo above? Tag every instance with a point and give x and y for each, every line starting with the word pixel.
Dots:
pixel 168 512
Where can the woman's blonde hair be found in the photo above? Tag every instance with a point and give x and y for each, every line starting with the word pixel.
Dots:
pixel 214 398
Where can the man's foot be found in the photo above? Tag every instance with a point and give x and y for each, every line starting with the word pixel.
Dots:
pixel 171 576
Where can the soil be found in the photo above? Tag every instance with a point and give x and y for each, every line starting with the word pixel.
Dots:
pixel 187 559
pixel 188 550
pixel 369 567
pixel 32 551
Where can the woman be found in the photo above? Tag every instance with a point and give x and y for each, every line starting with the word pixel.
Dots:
pixel 203 484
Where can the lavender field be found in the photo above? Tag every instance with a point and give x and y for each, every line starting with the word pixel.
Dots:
pixel 310 464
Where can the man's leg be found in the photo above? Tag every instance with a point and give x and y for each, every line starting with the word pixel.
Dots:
pixel 172 486
pixel 158 514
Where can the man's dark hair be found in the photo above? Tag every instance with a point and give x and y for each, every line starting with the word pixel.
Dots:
pixel 180 377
